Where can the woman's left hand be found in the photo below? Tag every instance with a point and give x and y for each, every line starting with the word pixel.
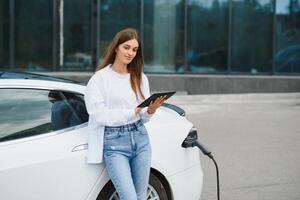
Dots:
pixel 156 104
pixel 137 110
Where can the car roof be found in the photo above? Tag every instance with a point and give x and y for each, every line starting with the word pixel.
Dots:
pixel 41 84
pixel 33 76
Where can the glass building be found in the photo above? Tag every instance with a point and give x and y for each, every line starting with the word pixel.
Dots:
pixel 178 36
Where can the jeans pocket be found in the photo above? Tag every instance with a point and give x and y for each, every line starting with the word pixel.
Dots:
pixel 111 135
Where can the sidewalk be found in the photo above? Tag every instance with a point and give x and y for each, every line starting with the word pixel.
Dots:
pixel 255 139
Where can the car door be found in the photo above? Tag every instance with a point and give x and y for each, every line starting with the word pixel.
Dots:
pixel 42 145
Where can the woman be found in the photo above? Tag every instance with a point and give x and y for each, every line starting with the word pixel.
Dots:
pixel 116 129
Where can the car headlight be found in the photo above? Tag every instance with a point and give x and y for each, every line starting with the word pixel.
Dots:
pixel 191 138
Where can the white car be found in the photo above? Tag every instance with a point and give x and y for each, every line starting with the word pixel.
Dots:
pixel 43 142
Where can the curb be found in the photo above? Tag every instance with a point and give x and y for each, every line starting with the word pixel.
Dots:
pixel 235 98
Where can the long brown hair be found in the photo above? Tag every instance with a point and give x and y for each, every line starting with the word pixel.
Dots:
pixel 135 67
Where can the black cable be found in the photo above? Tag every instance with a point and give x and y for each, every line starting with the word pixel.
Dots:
pixel 217 170
pixel 206 152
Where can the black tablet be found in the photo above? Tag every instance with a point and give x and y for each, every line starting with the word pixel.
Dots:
pixel 154 96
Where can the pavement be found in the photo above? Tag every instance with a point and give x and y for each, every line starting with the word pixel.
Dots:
pixel 255 139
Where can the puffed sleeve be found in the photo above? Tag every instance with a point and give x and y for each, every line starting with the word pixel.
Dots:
pixel 98 110
pixel 145 116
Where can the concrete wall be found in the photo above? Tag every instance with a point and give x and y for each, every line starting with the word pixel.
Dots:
pixel 208 84
pixel 212 84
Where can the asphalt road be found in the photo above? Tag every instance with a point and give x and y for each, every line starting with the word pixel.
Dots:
pixel 255 140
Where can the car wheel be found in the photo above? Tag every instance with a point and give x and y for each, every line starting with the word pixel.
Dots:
pixel 156 190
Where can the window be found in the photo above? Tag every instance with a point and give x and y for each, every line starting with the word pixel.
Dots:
pixel 207 36
pixel 28 112
pixel 33 35
pixel 164 36
pixel 287 56
pixel 252 30
pixel 4 34
pixel 77 35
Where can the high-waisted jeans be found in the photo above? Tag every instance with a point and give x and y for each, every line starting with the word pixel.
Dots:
pixel 127 155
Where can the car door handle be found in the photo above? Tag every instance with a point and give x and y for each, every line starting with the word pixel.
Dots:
pixel 80 147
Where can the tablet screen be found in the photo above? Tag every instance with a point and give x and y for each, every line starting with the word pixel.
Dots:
pixel 155 96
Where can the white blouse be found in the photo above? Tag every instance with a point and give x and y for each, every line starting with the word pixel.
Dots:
pixel 110 101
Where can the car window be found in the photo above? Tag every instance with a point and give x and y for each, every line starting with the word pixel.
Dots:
pixel 29 112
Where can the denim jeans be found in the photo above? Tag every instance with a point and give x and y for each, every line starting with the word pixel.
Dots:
pixel 127 155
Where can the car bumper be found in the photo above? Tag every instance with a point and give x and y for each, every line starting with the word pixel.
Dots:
pixel 187 184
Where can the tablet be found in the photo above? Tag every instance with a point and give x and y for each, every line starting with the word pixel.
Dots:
pixel 154 96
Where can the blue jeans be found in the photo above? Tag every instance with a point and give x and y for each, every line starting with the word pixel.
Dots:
pixel 127 155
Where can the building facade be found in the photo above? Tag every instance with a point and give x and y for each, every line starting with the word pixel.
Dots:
pixel 255 37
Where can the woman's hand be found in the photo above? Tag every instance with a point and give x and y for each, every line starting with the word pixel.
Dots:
pixel 156 104
pixel 137 110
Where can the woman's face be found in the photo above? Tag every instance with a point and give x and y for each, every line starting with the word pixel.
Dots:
pixel 126 51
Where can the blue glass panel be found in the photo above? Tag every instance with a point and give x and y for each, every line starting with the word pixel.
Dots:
pixel 207 36
pixel 164 36
pixel 252 36
pixel 33 35
pixel 287 56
